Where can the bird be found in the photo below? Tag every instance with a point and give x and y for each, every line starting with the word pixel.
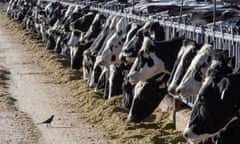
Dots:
pixel 48 121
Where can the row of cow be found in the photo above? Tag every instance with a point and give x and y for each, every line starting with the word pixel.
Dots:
pixel 122 57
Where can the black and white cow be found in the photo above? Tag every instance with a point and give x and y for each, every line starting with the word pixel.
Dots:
pixel 78 28
pixel 95 28
pixel 194 76
pixel 122 34
pixel 116 75
pixel 131 48
pixel 184 59
pixel 91 69
pixel 217 105
pixel 154 58
pixel 147 96
pixel 111 50
pixel 192 80
pixel 129 53
pixel 90 54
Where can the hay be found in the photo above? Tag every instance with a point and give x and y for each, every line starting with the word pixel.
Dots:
pixel 107 115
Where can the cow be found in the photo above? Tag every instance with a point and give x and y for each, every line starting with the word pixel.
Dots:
pixel 91 68
pixel 192 79
pixel 78 28
pixel 185 56
pixel 129 53
pixel 114 69
pixel 153 58
pixel 89 37
pixel 72 14
pixel 217 105
pixel 116 76
pixel 144 103
pixel 95 28
pixel 110 52
pixel 194 76
pixel 131 48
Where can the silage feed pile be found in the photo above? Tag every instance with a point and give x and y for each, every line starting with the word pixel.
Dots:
pixel 108 115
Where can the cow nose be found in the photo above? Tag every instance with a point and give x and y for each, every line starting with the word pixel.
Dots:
pixel 128 77
pixel 186 135
pixel 178 91
pixel 122 59
pixel 172 91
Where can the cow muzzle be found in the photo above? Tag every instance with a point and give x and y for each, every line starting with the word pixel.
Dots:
pixel 190 136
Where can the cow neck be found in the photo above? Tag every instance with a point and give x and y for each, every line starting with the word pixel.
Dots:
pixel 235 91
pixel 167 51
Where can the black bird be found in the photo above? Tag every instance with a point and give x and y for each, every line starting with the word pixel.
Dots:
pixel 48 121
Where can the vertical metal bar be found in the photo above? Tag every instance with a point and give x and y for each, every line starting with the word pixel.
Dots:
pixel 174 112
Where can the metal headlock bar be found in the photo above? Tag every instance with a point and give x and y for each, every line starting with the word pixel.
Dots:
pixel 201 34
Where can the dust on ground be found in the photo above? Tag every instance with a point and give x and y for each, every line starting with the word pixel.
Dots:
pixel 16 127
pixel 106 115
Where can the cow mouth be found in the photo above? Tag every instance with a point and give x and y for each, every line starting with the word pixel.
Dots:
pixel 195 139
pixel 132 80
pixel 184 93
pixel 198 138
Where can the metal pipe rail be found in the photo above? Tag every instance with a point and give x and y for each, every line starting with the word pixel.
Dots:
pixel 180 26
pixel 207 32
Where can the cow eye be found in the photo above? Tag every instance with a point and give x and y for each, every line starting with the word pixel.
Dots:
pixel 201 98
pixel 203 112
pixel 198 77
pixel 150 62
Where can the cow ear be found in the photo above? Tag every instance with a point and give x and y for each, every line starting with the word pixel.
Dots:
pixel 232 62
pixel 223 86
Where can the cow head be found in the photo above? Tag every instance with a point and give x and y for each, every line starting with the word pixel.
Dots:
pixel 221 63
pixel 215 108
pixel 185 56
pixel 144 104
pixel 83 23
pixel 73 13
pixel 95 28
pixel 110 53
pixel 147 64
pixel 194 76
pixel 131 48
pixel 154 58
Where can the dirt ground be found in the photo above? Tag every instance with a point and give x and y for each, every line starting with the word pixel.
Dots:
pixel 36 83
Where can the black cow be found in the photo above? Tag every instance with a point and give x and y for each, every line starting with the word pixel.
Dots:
pixel 95 28
pixel 147 96
pixel 217 105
